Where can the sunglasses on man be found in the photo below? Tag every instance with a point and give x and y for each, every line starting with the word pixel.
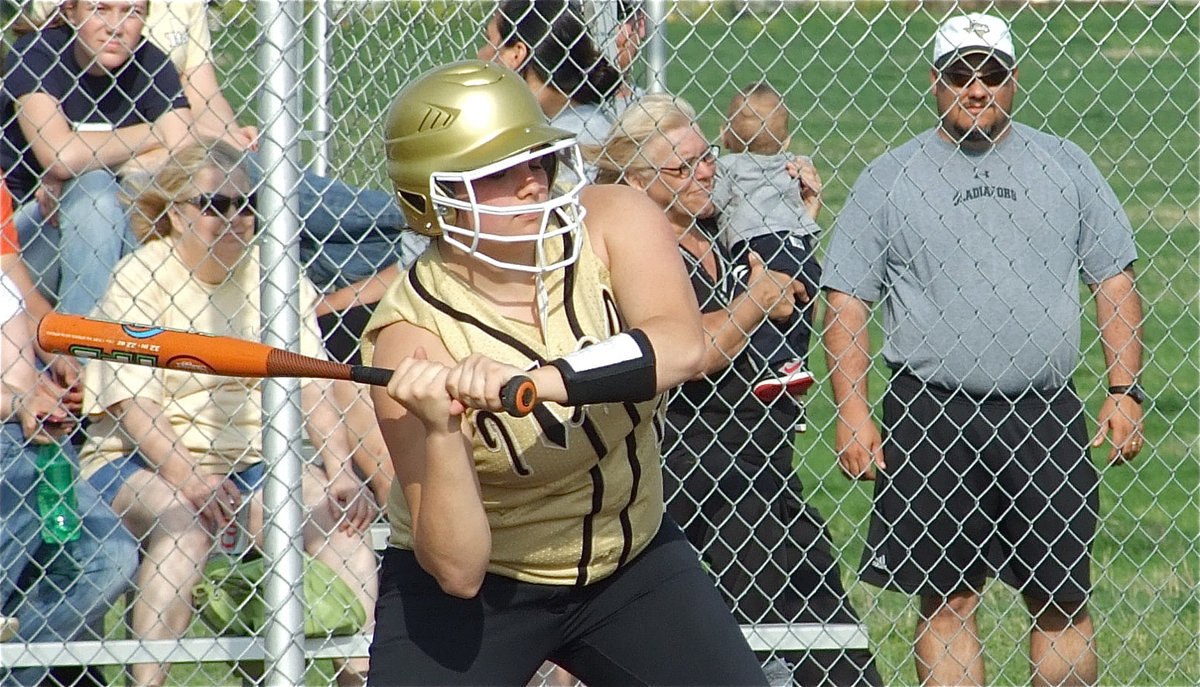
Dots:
pixel 960 75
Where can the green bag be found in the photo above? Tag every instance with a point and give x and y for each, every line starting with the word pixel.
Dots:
pixel 231 603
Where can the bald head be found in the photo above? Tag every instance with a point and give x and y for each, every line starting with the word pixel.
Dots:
pixel 757 121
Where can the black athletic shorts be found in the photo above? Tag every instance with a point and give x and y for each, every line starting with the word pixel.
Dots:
pixel 980 487
pixel 658 620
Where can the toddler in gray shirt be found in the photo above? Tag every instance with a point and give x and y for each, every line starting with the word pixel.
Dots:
pixel 763 210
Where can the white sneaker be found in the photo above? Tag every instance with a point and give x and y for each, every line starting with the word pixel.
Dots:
pixel 8 628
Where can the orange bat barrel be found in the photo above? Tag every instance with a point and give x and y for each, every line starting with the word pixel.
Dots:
pixel 137 344
pixel 120 342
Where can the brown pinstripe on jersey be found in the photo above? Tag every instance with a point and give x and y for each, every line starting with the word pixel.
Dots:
pixel 571 493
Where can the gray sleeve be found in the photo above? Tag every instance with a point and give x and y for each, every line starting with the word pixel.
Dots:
pixel 1105 236
pixel 722 193
pixel 855 258
pixel 722 198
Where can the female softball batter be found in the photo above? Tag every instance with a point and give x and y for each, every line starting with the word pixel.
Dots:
pixel 519 540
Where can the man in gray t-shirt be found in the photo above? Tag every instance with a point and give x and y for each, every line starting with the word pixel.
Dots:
pixel 972 237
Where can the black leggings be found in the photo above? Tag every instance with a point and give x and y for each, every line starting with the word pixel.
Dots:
pixel 657 620
pixel 770 555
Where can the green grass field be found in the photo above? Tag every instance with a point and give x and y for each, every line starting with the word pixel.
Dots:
pixel 1120 80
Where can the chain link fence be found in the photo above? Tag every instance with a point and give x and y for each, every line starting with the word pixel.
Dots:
pixel 316 78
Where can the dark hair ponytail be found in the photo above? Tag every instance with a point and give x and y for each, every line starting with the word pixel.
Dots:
pixel 562 53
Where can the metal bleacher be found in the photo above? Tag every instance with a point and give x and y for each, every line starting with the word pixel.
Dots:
pixel 762 637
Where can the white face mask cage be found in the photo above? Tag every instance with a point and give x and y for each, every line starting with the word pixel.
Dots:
pixel 562 205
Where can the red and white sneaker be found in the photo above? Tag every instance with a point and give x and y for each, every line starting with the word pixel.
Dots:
pixel 790 378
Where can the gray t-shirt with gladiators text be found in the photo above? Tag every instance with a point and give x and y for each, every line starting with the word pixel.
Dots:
pixel 975 259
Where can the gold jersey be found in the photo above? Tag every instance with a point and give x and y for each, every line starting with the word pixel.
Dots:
pixel 570 493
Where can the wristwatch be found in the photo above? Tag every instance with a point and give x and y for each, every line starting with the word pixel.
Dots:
pixel 1134 391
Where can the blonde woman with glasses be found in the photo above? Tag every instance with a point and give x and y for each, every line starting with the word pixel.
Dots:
pixel 176 453
pixel 729 455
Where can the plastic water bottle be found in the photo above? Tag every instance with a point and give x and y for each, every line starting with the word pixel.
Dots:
pixel 56 495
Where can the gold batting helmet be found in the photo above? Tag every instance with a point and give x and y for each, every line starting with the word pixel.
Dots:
pixel 464 121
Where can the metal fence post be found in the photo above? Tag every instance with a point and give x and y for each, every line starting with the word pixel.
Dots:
pixel 318 26
pixel 280 307
pixel 656 50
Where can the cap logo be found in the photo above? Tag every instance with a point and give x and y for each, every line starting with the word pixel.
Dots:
pixel 979 28
pixel 437 118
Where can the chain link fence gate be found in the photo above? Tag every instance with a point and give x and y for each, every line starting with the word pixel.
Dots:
pixel 1119 79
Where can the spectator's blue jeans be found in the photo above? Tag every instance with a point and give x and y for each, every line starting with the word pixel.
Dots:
pixel 81 579
pixel 74 259
pixel 348 234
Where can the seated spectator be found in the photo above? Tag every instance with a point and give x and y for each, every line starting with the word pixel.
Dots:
pixel 729 479
pixel 547 43
pixel 349 235
pixel 352 238
pixel 177 453
pixel 48 592
pixel 79 102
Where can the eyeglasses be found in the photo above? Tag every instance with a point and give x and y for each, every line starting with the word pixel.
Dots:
pixel 221 205
pixel 959 76
pixel 688 168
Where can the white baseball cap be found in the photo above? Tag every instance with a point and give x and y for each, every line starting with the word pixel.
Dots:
pixel 974 34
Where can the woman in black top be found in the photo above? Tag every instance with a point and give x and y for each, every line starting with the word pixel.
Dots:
pixel 729 479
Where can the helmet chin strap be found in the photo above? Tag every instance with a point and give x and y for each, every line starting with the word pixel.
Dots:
pixel 541 294
pixel 542 298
